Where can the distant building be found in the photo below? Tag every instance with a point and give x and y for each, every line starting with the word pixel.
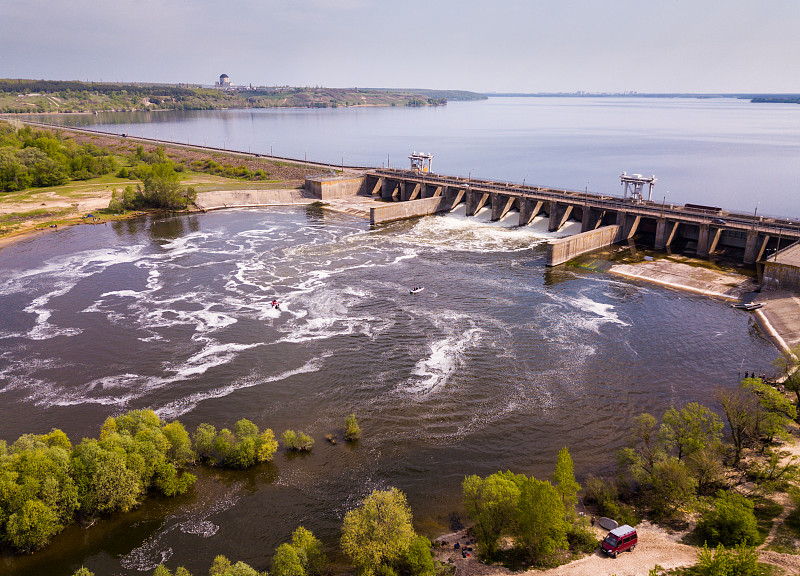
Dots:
pixel 224 82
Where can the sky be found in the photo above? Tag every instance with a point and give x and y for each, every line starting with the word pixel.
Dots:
pixel 694 46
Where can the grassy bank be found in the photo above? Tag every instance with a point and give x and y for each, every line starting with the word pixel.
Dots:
pixel 35 208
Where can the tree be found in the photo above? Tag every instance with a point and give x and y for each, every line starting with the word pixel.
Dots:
pixel 540 526
pixel 707 468
pixel 162 187
pixel 689 429
pixel 105 483
pixel 286 562
pixel 13 173
pixel 204 440
pixel 379 532
pixel 729 521
pixel 776 413
pixel 491 504
pixel 266 446
pixel 787 364
pixel 180 445
pixel 297 441
pixel 417 560
pixel 32 526
pixel 352 431
pixel 740 408
pixel 310 551
pixel 565 483
pixel 223 567
pixel 672 486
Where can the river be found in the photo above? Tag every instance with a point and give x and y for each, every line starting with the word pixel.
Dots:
pixel 497 364
pixel 713 151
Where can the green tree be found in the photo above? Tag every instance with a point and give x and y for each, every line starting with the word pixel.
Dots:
pixel 204 441
pixel 378 532
pixel 352 431
pixel 776 413
pixel 105 483
pixel 787 364
pixel 729 521
pixel 13 173
pixel 286 562
pixel 266 446
pixel 310 551
pixel 565 483
pixel 223 567
pixel 673 487
pixel 162 187
pixel 32 526
pixel 540 526
pixel 689 429
pixel 82 572
pixel 491 504
pixel 740 408
pixel 297 441
pixel 417 560
pixel 180 445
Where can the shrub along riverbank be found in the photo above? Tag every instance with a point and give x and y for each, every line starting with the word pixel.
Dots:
pixel 46 482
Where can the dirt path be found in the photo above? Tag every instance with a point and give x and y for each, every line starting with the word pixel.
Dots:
pixel 656 546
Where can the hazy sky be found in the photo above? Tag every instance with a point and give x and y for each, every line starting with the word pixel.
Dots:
pixel 492 45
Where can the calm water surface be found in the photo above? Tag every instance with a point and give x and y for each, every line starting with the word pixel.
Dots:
pixel 716 151
pixel 498 364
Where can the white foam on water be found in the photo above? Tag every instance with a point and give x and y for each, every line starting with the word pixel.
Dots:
pixel 62 274
pixel 457 232
pixel 440 365
pixel 209 357
pixel 181 406
pixel 603 313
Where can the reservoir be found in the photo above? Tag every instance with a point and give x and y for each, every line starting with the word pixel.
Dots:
pixel 721 152
pixel 497 364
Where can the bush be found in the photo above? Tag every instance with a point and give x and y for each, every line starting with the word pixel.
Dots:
pixel 581 540
pixel 352 431
pixel 729 521
pixel 619 511
pixel 242 448
pixel 297 441
pixel 720 562
pixel 600 489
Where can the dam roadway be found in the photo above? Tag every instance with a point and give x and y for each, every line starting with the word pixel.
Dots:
pixel 604 219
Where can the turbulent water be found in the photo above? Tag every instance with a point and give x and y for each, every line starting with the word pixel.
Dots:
pixel 497 364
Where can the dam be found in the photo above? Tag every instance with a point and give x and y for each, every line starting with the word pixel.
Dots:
pixel 605 220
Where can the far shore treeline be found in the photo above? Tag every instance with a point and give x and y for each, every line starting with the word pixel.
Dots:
pixel 48 96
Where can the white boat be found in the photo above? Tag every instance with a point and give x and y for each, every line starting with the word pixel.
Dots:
pixel 416 289
pixel 749 306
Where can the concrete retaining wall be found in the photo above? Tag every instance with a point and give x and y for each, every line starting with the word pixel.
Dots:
pixel 565 249
pixel 391 211
pixel 240 198
pixel 779 276
pixel 331 188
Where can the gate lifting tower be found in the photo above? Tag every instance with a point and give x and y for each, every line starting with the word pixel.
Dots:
pixel 420 162
pixel 634 185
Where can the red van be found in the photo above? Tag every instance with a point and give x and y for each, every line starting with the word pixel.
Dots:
pixel 619 540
